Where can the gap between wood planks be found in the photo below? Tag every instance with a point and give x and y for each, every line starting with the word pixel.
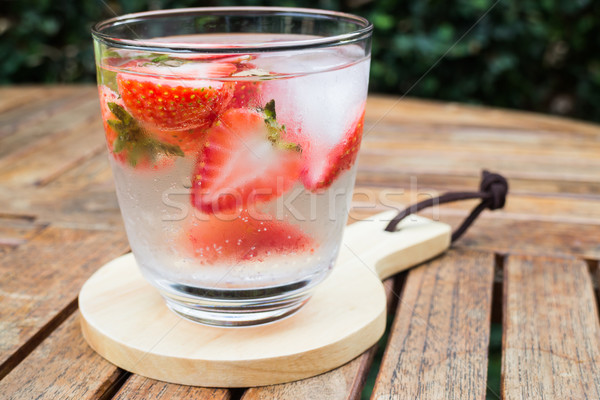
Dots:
pixel 23 351
pixel 113 386
pixel 494 377
pixel 393 301
pixel 594 270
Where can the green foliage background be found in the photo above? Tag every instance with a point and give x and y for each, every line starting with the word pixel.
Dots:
pixel 541 55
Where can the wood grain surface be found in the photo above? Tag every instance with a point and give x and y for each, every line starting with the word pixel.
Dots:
pixel 140 388
pixel 551 343
pixel 59 221
pixel 62 367
pixel 58 261
pixel 439 342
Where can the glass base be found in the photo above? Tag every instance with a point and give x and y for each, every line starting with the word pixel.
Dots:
pixel 235 313
pixel 236 306
pixel 238 314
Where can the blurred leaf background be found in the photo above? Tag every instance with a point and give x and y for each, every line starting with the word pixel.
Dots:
pixel 539 55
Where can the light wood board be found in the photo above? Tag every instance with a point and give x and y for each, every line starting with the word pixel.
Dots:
pixel 126 321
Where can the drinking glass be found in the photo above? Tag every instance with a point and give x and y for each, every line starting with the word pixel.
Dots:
pixel 232 135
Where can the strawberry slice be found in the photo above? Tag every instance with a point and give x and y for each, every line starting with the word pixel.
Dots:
pixel 321 170
pixel 175 96
pixel 244 161
pixel 245 238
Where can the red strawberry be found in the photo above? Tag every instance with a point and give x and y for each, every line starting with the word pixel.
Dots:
pixel 246 237
pixel 321 170
pixel 247 90
pixel 244 161
pixel 175 98
pixel 129 143
pixel 246 94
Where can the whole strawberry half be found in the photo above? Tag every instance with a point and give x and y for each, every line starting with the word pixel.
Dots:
pixel 246 237
pixel 176 96
pixel 244 161
pixel 127 141
pixel 320 169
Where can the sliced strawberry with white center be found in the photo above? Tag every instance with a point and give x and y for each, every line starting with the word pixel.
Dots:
pixel 246 237
pixel 321 166
pixel 174 97
pixel 243 161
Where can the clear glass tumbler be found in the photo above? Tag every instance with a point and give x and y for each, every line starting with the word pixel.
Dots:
pixel 233 134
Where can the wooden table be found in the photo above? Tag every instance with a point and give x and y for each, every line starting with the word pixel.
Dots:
pixel 532 267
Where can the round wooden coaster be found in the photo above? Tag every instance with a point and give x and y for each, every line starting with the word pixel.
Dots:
pixel 126 321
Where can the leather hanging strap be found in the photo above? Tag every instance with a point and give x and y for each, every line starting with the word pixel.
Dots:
pixel 492 192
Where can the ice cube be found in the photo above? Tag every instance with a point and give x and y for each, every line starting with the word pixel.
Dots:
pixel 319 107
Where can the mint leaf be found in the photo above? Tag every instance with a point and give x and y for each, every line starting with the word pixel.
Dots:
pixel 163 57
pixel 171 150
pixel 118 145
pixel 275 129
pixel 120 113
pixel 133 138
pixel 270 109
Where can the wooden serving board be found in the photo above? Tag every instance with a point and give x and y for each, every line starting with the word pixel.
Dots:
pixel 126 321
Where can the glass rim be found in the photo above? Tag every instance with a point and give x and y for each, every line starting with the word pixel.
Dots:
pixel 364 30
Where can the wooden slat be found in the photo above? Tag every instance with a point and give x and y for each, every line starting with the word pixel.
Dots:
pixel 92 208
pixel 45 150
pixel 452 142
pixel 29 120
pixel 549 168
pixel 12 98
pixel 92 174
pixel 422 112
pixel 549 208
pixel 443 181
pixel 40 280
pixel 17 231
pixel 62 367
pixel 551 340
pixel 384 136
pixel 439 341
pixel 140 388
pixel 532 237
